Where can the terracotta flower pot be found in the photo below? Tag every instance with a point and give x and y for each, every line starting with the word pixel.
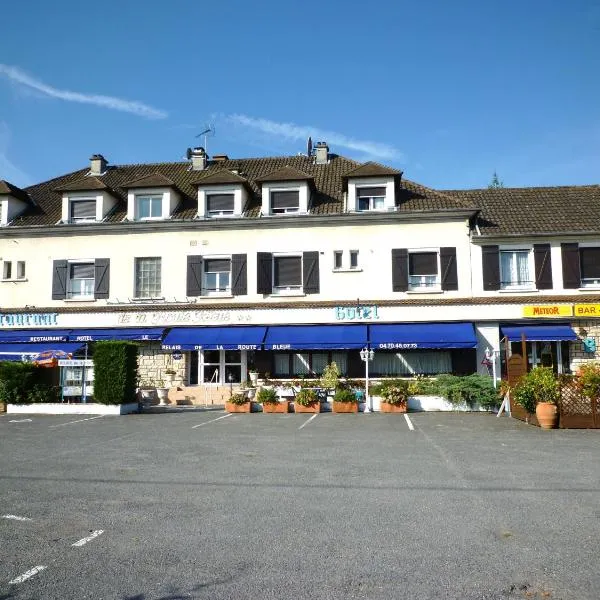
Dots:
pixel 345 407
pixel 547 415
pixel 238 408
pixel 315 407
pixel 386 407
pixel 276 407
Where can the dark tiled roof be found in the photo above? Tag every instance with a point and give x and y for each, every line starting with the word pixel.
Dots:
pixel 328 197
pixel 7 188
pixel 154 180
pixel 220 178
pixel 82 185
pixel 372 169
pixel 286 173
pixel 536 210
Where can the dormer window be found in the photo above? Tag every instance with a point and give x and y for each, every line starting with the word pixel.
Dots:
pixel 148 207
pixel 82 210
pixel 285 201
pixel 371 198
pixel 220 205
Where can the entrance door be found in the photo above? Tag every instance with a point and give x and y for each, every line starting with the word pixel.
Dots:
pixel 219 367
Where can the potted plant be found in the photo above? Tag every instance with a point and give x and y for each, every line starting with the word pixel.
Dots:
pixel 162 392
pixel 253 375
pixel 330 379
pixel 170 375
pixel 345 401
pixel 270 401
pixel 538 392
pixel 238 403
pixel 306 401
pixel 587 380
pixel 394 397
pixel 147 391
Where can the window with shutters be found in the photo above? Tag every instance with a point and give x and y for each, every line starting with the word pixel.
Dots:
pixel 287 273
pixel 148 277
pixel 589 262
pixel 80 280
pixel 516 269
pixel 284 201
pixel 423 270
pixel 370 198
pixel 82 210
pixel 216 276
pixel 148 207
pixel 219 205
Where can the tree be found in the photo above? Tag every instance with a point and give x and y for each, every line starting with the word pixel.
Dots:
pixel 495 183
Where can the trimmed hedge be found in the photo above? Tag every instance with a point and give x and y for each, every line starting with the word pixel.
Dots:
pixel 25 383
pixel 115 372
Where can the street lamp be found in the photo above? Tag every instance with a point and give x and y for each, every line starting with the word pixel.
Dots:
pixel 367 355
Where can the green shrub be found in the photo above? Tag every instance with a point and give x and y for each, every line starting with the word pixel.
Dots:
pixel 539 385
pixel 267 395
pixel 43 393
pixel 306 397
pixel 24 383
pixel 469 389
pixel 396 392
pixel 238 399
pixel 587 379
pixel 330 377
pixel 115 372
pixel 344 395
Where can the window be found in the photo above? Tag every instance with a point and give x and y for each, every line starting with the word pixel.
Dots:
pixel 217 276
pixel 7 270
pixel 82 210
pixel 423 270
pixel 147 277
pixel 218 366
pixel 285 201
pixel 354 259
pixel 148 207
pixel 337 259
pixel 287 273
pixel 420 362
pixel 515 270
pixel 80 282
pixel 20 269
pixel 370 198
pixel 589 261
pixel 219 205
pixel 296 364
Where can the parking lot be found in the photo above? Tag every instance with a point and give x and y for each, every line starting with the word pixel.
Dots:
pixel 208 505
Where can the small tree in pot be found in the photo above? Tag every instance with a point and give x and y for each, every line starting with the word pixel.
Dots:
pixel 394 396
pixel 270 401
pixel 306 401
pixel 538 392
pixel 238 403
pixel 344 401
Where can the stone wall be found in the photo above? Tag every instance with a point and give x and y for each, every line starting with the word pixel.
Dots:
pixel 152 364
pixel 584 329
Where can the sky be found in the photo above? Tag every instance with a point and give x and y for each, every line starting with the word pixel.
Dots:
pixel 448 92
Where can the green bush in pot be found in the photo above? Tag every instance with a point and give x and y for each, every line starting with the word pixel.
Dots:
pixel 539 385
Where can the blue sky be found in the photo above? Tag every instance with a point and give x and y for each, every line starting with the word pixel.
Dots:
pixel 446 91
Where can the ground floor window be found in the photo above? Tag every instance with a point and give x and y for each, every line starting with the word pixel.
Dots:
pixel 421 362
pixel 310 364
pixel 542 354
pixel 217 366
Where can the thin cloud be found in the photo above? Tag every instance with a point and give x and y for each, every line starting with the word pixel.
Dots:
pixel 291 131
pixel 130 106
pixel 8 170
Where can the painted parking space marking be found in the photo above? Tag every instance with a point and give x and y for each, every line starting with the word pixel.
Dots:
pixel 409 422
pixel 20 420
pixel 78 421
pixel 16 518
pixel 89 538
pixel 307 422
pixel 25 576
pixel 212 421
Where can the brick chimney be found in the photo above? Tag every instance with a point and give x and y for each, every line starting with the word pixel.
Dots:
pixel 321 153
pixel 199 159
pixel 98 164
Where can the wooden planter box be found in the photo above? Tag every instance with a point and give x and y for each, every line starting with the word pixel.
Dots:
pixel 386 407
pixel 345 407
pixel 278 407
pixel 315 407
pixel 238 408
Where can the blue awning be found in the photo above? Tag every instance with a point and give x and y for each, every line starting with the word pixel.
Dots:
pixel 122 333
pixel 316 337
pixel 28 351
pixel 540 333
pixel 412 336
pixel 34 335
pixel 215 338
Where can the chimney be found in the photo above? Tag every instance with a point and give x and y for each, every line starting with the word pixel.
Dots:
pixel 98 164
pixel 220 157
pixel 199 159
pixel 321 153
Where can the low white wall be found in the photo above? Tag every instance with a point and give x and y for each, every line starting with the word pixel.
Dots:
pixel 72 409
pixel 430 403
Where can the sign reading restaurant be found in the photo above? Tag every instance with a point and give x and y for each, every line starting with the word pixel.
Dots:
pixel 28 319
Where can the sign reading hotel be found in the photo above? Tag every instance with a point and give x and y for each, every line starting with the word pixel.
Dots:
pixel 356 313
pixel 548 310
pixel 587 310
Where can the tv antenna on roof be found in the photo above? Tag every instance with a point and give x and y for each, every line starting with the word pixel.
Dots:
pixel 209 131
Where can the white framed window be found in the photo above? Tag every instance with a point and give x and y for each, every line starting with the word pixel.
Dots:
pixel 80 280
pixel 20 269
pixel 82 210
pixel 148 277
pixel 220 205
pixel 285 201
pixel 589 264
pixel 216 276
pixel 7 269
pixel 287 273
pixel 148 207
pixel 221 367
pixel 338 257
pixel 354 259
pixel 423 270
pixel 516 269
pixel 370 198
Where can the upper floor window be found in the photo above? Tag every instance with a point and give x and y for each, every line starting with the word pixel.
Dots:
pixel 148 207
pixel 82 210
pixel 423 270
pixel 515 269
pixel 13 270
pixel 287 273
pixel 219 205
pixel 216 276
pixel 512 268
pixel 148 277
pixel 80 280
pixel 285 201
pixel 370 198
pixel 351 262
pixel 589 260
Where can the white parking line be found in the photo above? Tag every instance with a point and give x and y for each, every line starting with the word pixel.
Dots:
pixel 20 420
pixel 16 518
pixel 33 571
pixel 78 421
pixel 307 422
pixel 212 421
pixel 409 422
pixel 89 538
